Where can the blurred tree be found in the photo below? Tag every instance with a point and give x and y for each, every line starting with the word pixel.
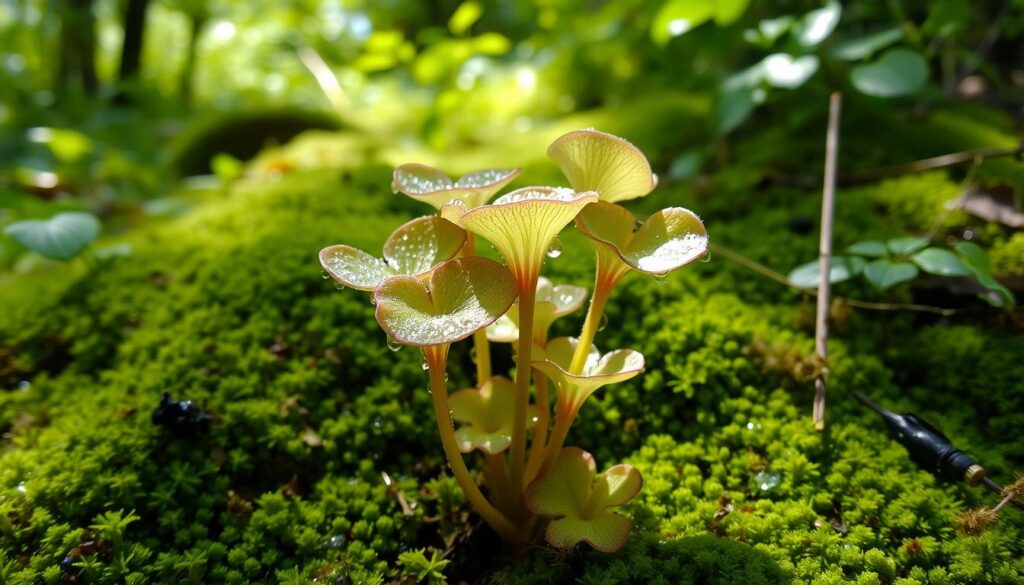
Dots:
pixel 77 47
pixel 131 49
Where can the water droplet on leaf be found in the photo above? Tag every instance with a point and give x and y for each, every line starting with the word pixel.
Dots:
pixel 555 249
pixel 767 480
pixel 393 345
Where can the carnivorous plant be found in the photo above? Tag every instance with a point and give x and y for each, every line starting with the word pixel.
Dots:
pixel 431 290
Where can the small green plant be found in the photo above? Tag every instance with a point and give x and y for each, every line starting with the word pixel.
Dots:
pixel 62 237
pixel 431 290
pixel 887 264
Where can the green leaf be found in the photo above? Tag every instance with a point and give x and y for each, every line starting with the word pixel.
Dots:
pixel 464 17
pixel 729 11
pixel 732 108
pixel 886 273
pixel 897 73
pixel 579 501
pixel 483 413
pixel 817 25
pixel 572 390
pixel 940 262
pixel 840 269
pixel 906 246
pixel 977 262
pixel 461 297
pixel 669 239
pixel 414 248
pixel 869 248
pixel 61 237
pixel 432 186
pixel 677 17
pixel 864 47
pixel 67 146
pixel 788 72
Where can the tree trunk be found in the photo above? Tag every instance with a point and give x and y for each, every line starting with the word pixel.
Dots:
pixel 131 49
pixel 198 21
pixel 78 47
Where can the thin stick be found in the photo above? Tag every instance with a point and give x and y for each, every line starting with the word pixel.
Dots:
pixel 825 255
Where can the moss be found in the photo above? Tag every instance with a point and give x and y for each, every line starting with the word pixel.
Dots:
pixel 1008 257
pixel 227 307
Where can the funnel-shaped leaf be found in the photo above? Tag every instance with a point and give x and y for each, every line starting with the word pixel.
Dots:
pixel 522 224
pixel 413 249
pixel 461 297
pixel 579 502
pixel 596 161
pixel 431 186
pixel 552 302
pixel 572 389
pixel 484 413
pixel 669 239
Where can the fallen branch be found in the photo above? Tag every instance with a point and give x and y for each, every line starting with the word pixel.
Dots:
pixel 828 199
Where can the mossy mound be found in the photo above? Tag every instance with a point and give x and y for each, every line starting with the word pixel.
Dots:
pixel 227 307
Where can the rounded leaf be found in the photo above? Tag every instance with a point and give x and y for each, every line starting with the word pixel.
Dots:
pixel 552 301
pixel 606 164
pixel 898 72
pixel 870 248
pixel 578 501
pixel 461 297
pixel 940 262
pixel 841 268
pixel 61 237
pixel 669 239
pixel 411 250
pixel 484 413
pixel 434 187
pixel 886 273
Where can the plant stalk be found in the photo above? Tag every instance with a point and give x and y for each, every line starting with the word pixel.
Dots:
pixel 825 256
pixel 540 430
pixel 517 452
pixel 602 290
pixel 437 360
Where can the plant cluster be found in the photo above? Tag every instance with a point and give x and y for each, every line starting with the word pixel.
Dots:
pixel 431 290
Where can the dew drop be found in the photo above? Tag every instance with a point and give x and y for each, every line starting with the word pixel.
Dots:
pixel 324 275
pixel 393 345
pixel 336 541
pixel 603 323
pixel 659 278
pixel 24 385
pixel 339 286
pixel 394 187
pixel 424 363
pixel 767 480
pixel 706 258
pixel 555 249
pixel 377 422
pixel 472 354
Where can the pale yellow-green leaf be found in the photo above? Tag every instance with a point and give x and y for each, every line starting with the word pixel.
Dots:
pixel 484 414
pixel 600 162
pixel 432 186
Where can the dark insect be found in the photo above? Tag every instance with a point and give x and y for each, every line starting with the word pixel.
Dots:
pixel 69 565
pixel 181 417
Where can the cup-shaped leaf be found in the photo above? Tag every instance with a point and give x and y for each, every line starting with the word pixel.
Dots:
pixel 61 237
pixel 552 301
pixel 523 223
pixel 484 414
pixel 598 370
pixel 411 250
pixel 578 500
pixel 431 186
pixel 669 239
pixel 596 161
pixel 461 297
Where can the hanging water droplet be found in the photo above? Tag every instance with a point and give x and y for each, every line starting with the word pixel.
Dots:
pixel 707 257
pixel 767 480
pixel 659 278
pixel 446 377
pixel 393 345
pixel 394 187
pixel 324 275
pixel 377 422
pixel 339 286
pixel 336 541
pixel 472 354
pixel 555 249
pixel 424 364
pixel 603 323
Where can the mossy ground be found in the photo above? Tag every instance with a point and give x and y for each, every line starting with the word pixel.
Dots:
pixel 226 306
